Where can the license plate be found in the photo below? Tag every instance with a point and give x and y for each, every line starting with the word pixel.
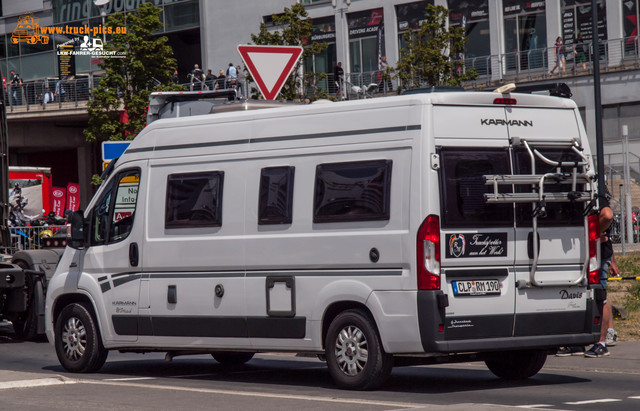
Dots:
pixel 476 287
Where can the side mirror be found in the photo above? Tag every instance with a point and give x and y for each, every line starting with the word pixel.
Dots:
pixel 75 230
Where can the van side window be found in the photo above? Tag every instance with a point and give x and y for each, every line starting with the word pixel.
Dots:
pixel 194 200
pixel 462 187
pixel 112 216
pixel 354 191
pixel 275 201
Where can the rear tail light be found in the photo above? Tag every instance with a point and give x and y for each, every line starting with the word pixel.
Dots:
pixel 594 249
pixel 503 100
pixel 428 251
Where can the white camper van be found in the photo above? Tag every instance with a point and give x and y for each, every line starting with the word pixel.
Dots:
pixel 403 230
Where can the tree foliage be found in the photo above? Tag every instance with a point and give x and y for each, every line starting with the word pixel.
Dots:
pixel 294 29
pixel 433 52
pixel 127 82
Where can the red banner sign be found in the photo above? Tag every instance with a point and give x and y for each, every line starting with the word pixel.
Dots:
pixel 59 195
pixel 73 197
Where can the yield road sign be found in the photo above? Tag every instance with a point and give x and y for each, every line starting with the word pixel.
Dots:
pixel 270 66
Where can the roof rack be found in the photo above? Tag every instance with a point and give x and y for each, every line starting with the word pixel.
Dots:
pixel 539 198
pixel 197 102
pixel 431 89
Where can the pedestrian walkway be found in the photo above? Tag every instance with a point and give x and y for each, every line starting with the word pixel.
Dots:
pixel 625 356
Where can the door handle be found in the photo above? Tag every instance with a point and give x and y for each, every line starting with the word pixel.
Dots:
pixel 133 254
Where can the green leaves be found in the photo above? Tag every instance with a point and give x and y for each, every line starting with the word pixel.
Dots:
pixel 433 55
pixel 127 83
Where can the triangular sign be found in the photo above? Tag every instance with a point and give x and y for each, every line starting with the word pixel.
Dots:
pixel 270 66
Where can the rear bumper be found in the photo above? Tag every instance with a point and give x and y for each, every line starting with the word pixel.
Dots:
pixel 546 330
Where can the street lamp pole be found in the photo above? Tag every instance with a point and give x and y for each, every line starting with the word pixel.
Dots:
pixel 597 98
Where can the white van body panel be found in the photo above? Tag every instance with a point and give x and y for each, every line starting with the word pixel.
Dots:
pixel 274 287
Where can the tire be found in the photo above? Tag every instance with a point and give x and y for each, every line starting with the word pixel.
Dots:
pixel 517 365
pixel 78 343
pixel 25 325
pixel 232 358
pixel 354 352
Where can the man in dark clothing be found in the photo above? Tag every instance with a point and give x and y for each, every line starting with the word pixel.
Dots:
pixel 15 82
pixel 210 79
pixel 338 77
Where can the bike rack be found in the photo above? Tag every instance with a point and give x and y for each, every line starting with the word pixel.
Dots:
pixel 538 198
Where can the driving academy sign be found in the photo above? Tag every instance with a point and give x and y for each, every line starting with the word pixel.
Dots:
pixel 270 66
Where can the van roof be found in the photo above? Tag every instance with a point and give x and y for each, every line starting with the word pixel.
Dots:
pixel 145 141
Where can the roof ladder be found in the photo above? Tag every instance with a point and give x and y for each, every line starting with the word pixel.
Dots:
pixel 539 198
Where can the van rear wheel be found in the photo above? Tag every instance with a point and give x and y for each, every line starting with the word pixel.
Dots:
pixel 517 365
pixel 78 344
pixel 354 352
pixel 232 358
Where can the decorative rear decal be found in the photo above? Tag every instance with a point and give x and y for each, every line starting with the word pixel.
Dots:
pixel 462 245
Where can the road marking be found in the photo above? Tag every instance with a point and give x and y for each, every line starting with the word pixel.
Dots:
pixel 534 406
pixel 259 394
pixel 130 379
pixel 637 397
pixel 42 382
pixel 593 401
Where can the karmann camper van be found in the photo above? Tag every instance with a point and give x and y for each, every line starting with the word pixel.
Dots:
pixel 403 230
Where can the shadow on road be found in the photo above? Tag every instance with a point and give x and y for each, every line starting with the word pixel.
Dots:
pixel 296 372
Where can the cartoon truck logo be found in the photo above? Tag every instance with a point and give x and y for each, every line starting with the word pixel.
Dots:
pixel 28 30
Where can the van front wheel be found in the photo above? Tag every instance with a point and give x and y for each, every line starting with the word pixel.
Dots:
pixel 517 365
pixel 78 344
pixel 354 352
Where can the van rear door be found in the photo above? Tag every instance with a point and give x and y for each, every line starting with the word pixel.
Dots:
pixel 547 301
pixel 477 251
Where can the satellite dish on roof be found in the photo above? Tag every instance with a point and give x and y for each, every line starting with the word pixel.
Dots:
pixel 101 2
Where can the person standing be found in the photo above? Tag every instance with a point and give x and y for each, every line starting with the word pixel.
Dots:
pixel 220 80
pixel 608 335
pixel 559 54
pixel 338 78
pixel 581 52
pixel 175 78
pixel 240 80
pixel 210 79
pixel 196 78
pixel 232 76
pixel 383 80
pixel 15 83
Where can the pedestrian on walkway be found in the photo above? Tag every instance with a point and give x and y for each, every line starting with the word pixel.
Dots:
pixel 608 336
pixel 559 54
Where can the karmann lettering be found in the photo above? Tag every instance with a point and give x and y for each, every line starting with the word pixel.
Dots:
pixel 501 122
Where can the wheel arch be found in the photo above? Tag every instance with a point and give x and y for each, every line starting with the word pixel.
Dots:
pixel 337 307
pixel 66 299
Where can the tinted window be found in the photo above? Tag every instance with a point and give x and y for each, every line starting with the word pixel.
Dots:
pixel 112 216
pixel 462 186
pixel 275 203
pixel 356 191
pixel 194 200
pixel 557 213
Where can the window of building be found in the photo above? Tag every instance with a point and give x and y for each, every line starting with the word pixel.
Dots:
pixel 366 43
pixel 410 16
pixel 462 187
pixel 275 200
pixel 617 115
pixel 194 200
pixel 474 19
pixel 525 37
pixel 112 216
pixel 354 191
pixel 577 20
pixel 324 31
pixel 630 26
pixel 181 16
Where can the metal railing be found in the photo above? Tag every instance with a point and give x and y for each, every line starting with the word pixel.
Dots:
pixel 49 93
pixel 33 238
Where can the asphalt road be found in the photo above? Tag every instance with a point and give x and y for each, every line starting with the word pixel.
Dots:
pixel 32 379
